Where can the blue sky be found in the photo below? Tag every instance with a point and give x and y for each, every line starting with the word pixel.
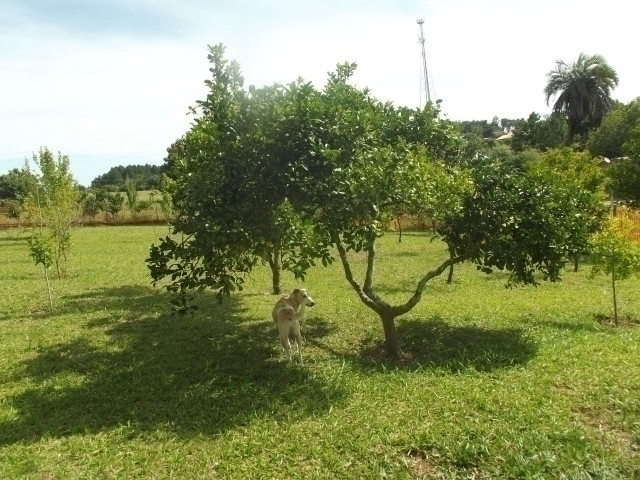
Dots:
pixel 108 82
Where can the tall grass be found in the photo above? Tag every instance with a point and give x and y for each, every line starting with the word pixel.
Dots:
pixel 522 383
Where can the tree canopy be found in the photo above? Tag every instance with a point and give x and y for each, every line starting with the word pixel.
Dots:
pixel 541 133
pixel 618 141
pixel 625 180
pixel 145 177
pixel 232 188
pixel 616 135
pixel 13 184
pixel 318 173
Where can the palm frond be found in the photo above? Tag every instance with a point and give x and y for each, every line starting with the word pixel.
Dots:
pixel 582 89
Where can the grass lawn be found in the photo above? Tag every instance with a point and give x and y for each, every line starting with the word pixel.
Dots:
pixel 522 383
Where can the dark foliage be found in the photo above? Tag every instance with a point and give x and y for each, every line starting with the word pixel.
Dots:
pixel 145 177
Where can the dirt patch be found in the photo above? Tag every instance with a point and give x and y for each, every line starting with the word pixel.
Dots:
pixel 599 423
pixel 419 464
pixel 623 320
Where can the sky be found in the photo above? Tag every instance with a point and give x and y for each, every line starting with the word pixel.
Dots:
pixel 109 82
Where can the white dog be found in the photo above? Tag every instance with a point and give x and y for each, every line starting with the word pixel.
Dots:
pixel 288 313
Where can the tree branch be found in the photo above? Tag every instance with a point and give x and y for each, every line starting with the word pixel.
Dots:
pixel 422 284
pixel 371 263
pixel 368 281
pixel 369 302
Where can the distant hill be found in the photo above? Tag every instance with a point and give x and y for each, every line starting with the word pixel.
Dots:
pixel 146 177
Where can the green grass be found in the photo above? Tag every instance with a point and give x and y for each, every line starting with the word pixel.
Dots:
pixel 522 383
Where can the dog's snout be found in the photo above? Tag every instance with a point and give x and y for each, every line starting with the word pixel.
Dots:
pixel 312 303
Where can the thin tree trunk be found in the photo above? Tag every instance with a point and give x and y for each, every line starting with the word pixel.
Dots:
pixel 391 338
pixel 275 262
pixel 568 140
pixel 46 274
pixel 450 276
pixel 615 299
pixel 371 299
pixel 46 278
pixel 576 261
pixel 399 230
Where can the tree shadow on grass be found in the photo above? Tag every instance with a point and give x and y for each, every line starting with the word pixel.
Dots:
pixel 575 326
pixel 19 238
pixel 437 345
pixel 317 327
pixel 196 374
pixel 404 254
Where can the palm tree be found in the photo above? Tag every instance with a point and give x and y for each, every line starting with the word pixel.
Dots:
pixel 583 91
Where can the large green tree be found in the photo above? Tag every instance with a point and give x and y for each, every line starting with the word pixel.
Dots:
pixel 521 221
pixel 502 219
pixel 490 212
pixel 582 91
pixel 231 185
pixel 581 171
pixel 340 163
pixel 617 134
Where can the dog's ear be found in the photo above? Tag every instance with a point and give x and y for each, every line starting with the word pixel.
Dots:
pixel 296 291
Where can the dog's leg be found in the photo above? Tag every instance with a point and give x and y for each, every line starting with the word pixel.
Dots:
pixel 283 328
pixel 298 335
pixel 284 341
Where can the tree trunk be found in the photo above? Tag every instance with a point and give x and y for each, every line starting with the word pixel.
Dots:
pixel 450 276
pixel 576 261
pixel 276 268
pixel 391 338
pixel 615 298
pixel 571 133
pixel 399 230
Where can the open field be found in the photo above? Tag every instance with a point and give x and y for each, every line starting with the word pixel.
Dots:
pixel 152 214
pixel 504 384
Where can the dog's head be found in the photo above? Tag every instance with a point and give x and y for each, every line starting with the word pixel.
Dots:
pixel 303 298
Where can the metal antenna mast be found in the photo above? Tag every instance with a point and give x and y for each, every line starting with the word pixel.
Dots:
pixel 425 73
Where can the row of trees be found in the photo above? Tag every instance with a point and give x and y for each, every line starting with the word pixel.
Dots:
pixel 145 177
pixel 117 179
pixel 15 188
pixel 292 175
